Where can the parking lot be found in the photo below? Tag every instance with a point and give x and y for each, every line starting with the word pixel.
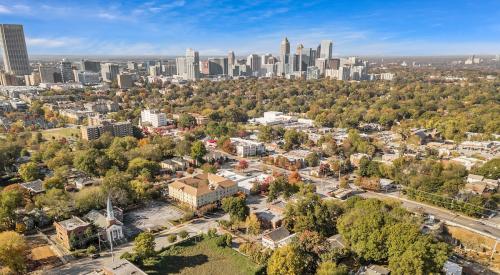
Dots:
pixel 152 217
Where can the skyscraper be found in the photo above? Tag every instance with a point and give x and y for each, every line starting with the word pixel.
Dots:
pixel 91 66
pixel 15 54
pixel 284 56
pixel 66 71
pixel 231 60
pixel 326 49
pixel 192 65
pixel 254 62
pixel 109 72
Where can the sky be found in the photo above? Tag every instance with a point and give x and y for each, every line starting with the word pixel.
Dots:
pixel 214 27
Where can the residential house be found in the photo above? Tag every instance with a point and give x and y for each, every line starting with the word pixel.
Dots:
pixel 34 187
pixel 277 238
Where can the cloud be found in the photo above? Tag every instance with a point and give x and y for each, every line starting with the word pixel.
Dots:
pixel 107 15
pixel 4 10
pixel 62 42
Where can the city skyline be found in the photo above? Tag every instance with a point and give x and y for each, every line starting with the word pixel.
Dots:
pixel 216 27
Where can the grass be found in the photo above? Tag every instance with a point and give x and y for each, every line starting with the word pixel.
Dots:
pixel 58 133
pixel 204 257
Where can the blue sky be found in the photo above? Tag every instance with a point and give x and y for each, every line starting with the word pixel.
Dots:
pixel 213 27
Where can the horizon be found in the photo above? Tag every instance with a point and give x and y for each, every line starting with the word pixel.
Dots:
pixel 159 28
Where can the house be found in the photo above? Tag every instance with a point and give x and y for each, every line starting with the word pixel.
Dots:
pixel 374 269
pixel 122 267
pixel 34 187
pixel 355 158
pixel 70 231
pixel 277 238
pixel 109 225
pixel 386 184
pixel 471 178
pixel 451 268
pixel 337 241
pixel 202 189
pixel 477 188
pixel 174 164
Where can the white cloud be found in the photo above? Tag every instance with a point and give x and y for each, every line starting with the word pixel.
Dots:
pixel 4 9
pixel 62 42
pixel 107 15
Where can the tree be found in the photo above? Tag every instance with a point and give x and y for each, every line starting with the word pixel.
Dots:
pixel 92 161
pixel 294 139
pixel 144 245
pixel 236 207
pixel 186 121
pixel 89 198
pixel 58 203
pixel 13 251
pixel 331 268
pixel 198 151
pixel 53 182
pixel 490 169
pixel 410 252
pixel 140 166
pixel 285 261
pixel 209 168
pixel 252 224
pixel 172 238
pixel 29 171
pixel 117 184
pixel 228 147
pixel 242 164
pixel 294 177
pixel 10 200
pixel 312 159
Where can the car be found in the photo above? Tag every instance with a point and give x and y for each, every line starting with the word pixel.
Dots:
pixel 95 256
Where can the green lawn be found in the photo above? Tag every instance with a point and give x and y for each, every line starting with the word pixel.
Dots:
pixel 202 258
pixel 58 133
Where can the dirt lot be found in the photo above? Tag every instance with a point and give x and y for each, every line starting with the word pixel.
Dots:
pixel 41 256
pixel 477 247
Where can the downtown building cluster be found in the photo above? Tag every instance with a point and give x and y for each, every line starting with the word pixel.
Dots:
pixel 305 63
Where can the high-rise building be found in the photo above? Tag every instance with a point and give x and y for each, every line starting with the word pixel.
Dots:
pixel 254 62
pixel 192 65
pixel 231 60
pixel 326 49
pixel 125 81
pixel 15 54
pixel 153 117
pixel 180 64
pixel 91 66
pixel 87 77
pixel 48 74
pixel 109 72
pixel 66 71
pixel 284 56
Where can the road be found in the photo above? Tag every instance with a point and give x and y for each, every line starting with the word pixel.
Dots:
pixel 88 265
pixel 486 227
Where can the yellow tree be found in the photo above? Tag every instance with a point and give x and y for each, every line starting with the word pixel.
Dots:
pixel 13 250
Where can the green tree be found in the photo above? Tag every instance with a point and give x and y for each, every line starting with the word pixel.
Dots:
pixel 236 207
pixel 198 151
pixel 10 200
pixel 144 245
pixel 142 166
pixel 186 121
pixel 490 169
pixel 57 202
pixel 331 268
pixel 294 139
pixel 53 182
pixel 29 171
pixel 285 261
pixel 92 161
pixel 312 159
pixel 13 251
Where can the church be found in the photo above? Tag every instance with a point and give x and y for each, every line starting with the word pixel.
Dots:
pixel 109 226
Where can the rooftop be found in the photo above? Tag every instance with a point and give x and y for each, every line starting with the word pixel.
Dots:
pixel 73 223
pixel 202 184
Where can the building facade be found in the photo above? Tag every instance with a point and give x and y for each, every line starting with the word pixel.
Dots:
pixel 15 53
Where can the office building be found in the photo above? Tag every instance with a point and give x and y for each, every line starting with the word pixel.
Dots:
pixel 284 56
pixel 231 59
pixel 192 65
pixel 87 78
pixel 180 63
pixel 15 54
pixel 125 80
pixel 8 79
pixel 326 49
pixel 218 66
pixel 312 73
pixel 109 72
pixel 66 71
pixel 254 62
pixel 91 66
pixel 169 68
pixel 49 74
pixel 153 117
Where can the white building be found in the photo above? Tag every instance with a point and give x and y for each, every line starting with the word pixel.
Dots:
pixel 87 78
pixel 154 117
pixel 245 147
pixel 277 238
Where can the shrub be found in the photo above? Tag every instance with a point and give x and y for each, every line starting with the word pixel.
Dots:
pixel 172 238
pixel 91 249
pixel 183 234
